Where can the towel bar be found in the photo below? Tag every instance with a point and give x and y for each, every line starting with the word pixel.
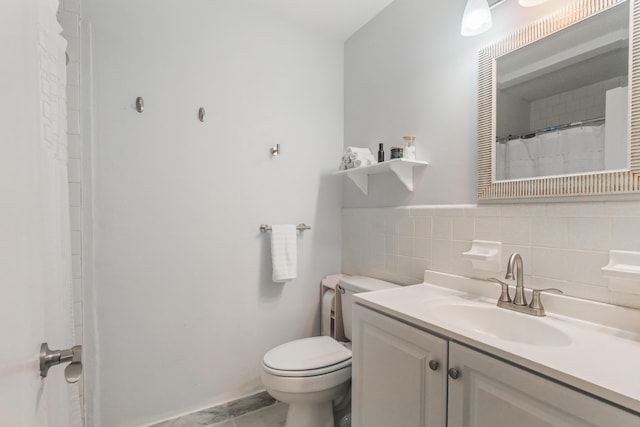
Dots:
pixel 301 227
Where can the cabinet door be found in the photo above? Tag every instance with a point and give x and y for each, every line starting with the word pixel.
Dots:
pixel 393 384
pixel 489 392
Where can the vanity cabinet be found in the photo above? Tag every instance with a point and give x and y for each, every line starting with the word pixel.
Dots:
pixel 394 384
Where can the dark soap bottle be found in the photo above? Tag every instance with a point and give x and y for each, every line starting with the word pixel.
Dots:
pixel 380 153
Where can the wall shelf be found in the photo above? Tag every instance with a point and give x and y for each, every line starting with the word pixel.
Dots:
pixel 402 168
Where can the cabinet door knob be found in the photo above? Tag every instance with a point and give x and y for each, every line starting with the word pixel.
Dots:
pixel 454 373
pixel 434 365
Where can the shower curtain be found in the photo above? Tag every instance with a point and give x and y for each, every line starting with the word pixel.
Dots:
pixel 62 399
pixel 567 151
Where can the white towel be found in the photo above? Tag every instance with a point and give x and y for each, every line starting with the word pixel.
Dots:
pixel 284 252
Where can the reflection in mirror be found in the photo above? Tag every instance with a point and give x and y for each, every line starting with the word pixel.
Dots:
pixel 562 101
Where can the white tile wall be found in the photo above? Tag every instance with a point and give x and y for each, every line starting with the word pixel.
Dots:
pixel 579 104
pixel 563 245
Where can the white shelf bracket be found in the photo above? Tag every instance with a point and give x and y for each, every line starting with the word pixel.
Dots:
pixel 404 172
pixel 361 180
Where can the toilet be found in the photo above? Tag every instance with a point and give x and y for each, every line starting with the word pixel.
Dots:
pixel 310 373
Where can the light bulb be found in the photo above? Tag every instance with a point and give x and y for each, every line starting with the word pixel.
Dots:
pixel 476 18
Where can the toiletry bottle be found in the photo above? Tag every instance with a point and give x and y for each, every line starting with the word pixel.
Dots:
pixel 380 153
pixel 410 150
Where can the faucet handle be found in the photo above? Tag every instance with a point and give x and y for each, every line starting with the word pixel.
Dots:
pixel 504 295
pixel 536 303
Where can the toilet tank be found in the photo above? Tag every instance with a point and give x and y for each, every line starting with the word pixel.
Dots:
pixel 353 285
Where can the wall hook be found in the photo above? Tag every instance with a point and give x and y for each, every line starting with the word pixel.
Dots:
pixel 202 114
pixel 139 104
pixel 275 151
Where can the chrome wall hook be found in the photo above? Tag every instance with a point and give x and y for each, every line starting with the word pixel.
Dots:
pixel 275 151
pixel 139 104
pixel 202 114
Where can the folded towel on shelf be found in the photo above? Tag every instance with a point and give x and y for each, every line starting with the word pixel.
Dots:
pixel 284 252
pixel 355 157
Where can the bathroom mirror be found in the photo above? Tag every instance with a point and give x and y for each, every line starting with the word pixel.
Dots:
pixel 558 110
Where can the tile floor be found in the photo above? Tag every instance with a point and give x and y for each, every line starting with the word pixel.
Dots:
pixel 259 410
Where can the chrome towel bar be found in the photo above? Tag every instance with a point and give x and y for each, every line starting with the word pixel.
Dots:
pixel 301 227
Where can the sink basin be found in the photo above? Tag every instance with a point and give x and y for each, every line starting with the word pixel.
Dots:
pixel 500 323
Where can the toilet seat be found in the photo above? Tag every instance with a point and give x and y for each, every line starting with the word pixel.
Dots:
pixel 307 357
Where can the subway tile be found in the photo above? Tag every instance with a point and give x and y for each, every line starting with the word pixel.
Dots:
pixel 485 210
pixel 589 233
pixel 585 267
pixel 422 248
pixel 463 228
pixel 419 266
pixel 391 263
pixel 377 224
pixel 441 259
pixel 629 208
pixel 487 228
pixel 625 234
pixel 405 266
pixel 550 232
pixel 551 263
pixel 406 226
pixel 575 210
pixel 422 226
pixel 391 225
pixel 391 245
pixel 442 227
pixel 449 210
pixel 406 246
pixel 516 230
pixel 523 209
pixel 460 265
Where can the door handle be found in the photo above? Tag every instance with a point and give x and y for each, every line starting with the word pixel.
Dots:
pixel 73 355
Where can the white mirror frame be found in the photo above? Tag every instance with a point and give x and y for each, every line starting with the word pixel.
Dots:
pixel 605 182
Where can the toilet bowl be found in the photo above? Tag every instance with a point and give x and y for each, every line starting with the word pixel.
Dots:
pixel 310 373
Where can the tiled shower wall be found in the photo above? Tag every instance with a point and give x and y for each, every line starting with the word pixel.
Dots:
pixel 69 18
pixel 563 245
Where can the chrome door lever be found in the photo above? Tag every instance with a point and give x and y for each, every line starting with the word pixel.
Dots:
pixel 73 355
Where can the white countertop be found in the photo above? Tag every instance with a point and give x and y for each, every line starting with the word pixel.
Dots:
pixel 602 356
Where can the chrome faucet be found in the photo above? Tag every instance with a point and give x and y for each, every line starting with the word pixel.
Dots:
pixel 515 262
pixel 519 302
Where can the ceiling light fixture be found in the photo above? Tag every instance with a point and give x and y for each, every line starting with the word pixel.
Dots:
pixel 477 15
pixel 476 18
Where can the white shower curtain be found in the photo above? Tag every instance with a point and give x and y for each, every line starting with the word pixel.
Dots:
pixel 568 151
pixel 62 399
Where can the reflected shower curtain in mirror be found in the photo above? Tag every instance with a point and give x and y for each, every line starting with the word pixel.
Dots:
pixel 567 151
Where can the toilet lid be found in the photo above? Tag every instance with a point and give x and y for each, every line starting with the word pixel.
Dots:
pixel 307 354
